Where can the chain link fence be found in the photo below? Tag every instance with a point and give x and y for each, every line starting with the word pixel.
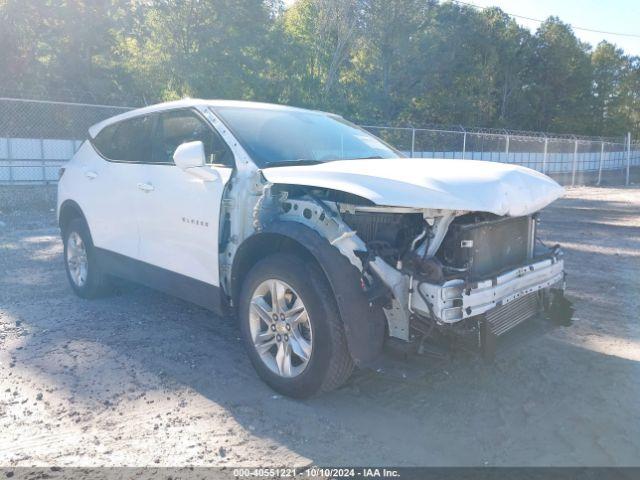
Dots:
pixel 570 159
pixel 37 137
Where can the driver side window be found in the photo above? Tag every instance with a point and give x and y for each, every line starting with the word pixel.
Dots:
pixel 181 126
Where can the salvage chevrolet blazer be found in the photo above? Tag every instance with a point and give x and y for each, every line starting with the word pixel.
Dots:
pixel 324 241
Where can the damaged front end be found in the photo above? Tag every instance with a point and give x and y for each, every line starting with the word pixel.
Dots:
pixel 495 275
pixel 457 275
pixel 436 275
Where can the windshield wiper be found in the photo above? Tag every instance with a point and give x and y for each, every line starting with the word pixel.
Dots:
pixel 285 163
pixel 308 161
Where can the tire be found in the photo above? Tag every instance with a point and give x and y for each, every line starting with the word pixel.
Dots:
pixel 329 364
pixel 93 282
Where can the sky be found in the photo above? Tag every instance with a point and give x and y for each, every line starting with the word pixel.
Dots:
pixel 621 16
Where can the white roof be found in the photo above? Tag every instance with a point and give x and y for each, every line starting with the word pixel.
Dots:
pixel 186 103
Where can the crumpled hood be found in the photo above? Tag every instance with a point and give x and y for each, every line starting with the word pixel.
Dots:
pixel 470 185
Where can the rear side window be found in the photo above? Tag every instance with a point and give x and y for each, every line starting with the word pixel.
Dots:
pixel 181 126
pixel 103 141
pixel 127 141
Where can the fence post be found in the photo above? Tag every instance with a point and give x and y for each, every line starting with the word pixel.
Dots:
pixel 9 162
pixel 464 144
pixel 575 163
pixel 544 156
pixel 628 156
pixel 413 142
pixel 44 170
pixel 601 162
pixel 506 150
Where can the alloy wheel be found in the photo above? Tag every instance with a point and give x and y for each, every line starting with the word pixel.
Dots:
pixel 77 259
pixel 280 328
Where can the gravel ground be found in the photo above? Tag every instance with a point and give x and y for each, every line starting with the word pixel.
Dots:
pixel 141 378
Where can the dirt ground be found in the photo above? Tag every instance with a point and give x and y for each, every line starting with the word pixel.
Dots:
pixel 141 378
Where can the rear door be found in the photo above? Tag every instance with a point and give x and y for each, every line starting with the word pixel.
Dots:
pixel 112 184
pixel 179 215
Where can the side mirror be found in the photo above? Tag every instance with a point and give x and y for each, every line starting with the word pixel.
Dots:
pixel 190 158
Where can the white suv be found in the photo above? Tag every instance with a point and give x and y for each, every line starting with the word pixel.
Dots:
pixel 325 241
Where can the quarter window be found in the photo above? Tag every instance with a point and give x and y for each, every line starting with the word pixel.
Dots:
pixel 127 141
pixel 182 126
pixel 104 141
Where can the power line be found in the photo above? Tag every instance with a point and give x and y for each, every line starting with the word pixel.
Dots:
pixel 633 35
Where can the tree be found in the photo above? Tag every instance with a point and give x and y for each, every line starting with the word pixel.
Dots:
pixel 610 67
pixel 388 58
pixel 508 44
pixel 559 69
pixel 385 61
pixel 19 54
pixel 199 48
pixel 630 107
pixel 318 37
pixel 65 49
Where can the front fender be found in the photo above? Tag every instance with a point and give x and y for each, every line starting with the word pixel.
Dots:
pixel 364 324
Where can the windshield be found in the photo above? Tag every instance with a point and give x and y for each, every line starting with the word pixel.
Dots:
pixel 281 137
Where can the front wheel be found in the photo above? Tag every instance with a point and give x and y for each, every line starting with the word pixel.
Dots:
pixel 291 327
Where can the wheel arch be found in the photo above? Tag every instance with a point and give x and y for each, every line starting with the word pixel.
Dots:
pixel 259 246
pixel 69 209
pixel 364 323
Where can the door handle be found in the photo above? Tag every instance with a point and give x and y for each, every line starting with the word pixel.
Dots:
pixel 90 175
pixel 145 187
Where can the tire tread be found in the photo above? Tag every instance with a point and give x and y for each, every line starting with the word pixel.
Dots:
pixel 97 284
pixel 341 364
pixel 337 359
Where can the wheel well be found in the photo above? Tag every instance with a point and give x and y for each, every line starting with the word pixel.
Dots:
pixel 260 246
pixel 364 321
pixel 68 211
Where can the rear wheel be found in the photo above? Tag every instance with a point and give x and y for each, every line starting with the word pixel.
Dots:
pixel 83 272
pixel 291 327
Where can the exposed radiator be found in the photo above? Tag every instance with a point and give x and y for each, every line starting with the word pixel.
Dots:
pixel 488 247
pixel 504 318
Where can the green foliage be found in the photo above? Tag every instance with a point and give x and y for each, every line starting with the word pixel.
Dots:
pixel 612 92
pixel 560 73
pixel 380 61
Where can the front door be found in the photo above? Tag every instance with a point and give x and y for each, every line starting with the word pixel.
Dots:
pixel 179 213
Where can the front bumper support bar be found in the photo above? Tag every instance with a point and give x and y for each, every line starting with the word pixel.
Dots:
pixel 455 300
